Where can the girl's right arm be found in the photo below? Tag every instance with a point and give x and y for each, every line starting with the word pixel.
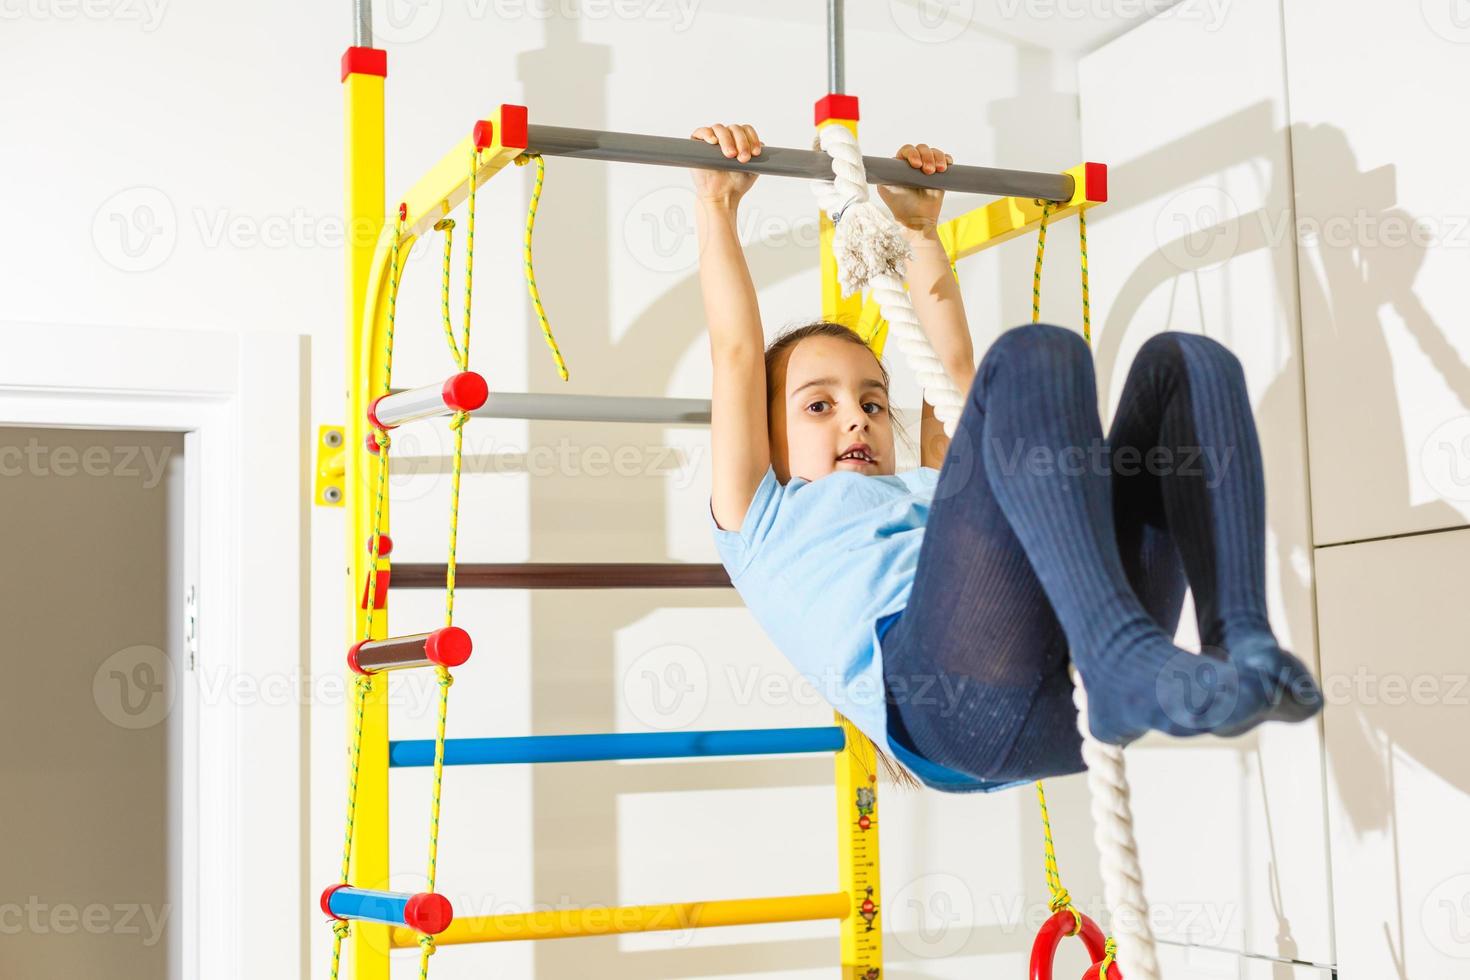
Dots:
pixel 738 433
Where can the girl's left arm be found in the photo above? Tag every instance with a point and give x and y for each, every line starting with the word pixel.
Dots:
pixel 932 288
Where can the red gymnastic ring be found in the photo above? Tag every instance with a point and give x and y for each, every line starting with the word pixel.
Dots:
pixel 1057 928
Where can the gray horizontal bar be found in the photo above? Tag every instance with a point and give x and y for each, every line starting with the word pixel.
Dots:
pixel 594 408
pixel 667 151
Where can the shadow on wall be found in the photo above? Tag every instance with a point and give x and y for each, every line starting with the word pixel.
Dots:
pixel 574 659
pixel 575 686
pixel 1363 288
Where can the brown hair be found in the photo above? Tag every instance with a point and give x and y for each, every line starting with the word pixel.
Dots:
pixel 778 353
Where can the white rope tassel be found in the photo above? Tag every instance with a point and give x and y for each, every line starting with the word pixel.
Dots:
pixel 870 251
pixel 1112 828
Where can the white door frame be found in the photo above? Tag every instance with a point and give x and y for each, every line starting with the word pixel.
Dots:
pixel 241 401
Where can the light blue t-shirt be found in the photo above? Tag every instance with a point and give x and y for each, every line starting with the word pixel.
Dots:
pixel 822 565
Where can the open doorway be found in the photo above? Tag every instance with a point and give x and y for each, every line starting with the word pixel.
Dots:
pixel 91 594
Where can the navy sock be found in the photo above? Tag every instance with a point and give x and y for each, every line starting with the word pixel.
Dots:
pixel 1050 470
pixel 1186 400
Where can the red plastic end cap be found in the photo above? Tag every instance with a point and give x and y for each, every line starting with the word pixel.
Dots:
pixel 465 392
pixel 448 646
pixel 352 659
pixel 385 545
pixel 1096 175
pixel 484 134
pixel 364 61
pixel 371 442
pixel 835 106
pixel 513 126
pixel 327 900
pixel 373 419
pixel 429 913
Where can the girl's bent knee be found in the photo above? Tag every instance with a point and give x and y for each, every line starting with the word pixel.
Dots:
pixel 1183 349
pixel 1037 343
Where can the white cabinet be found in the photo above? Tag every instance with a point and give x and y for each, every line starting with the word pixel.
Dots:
pixel 1190 113
pixel 1396 660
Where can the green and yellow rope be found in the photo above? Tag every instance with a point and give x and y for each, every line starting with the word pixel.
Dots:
pixel 446 225
pixel 1086 293
pixel 536 186
pixel 1046 208
pixel 362 685
pixel 460 352
pixel 1061 900
pixel 1046 211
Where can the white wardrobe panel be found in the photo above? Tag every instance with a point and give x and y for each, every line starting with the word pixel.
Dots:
pixel 1394 624
pixel 1189 113
pixel 1384 243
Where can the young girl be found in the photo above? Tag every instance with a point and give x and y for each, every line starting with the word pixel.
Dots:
pixel 938 609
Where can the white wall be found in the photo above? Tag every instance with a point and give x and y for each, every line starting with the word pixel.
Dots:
pixel 1384 250
pixel 181 168
pixel 1190 112
pixel 184 170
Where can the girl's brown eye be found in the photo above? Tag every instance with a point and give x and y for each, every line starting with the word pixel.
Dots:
pixel 814 405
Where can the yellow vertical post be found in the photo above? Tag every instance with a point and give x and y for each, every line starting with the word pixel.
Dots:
pixel 857 764
pixel 363 73
pixel 857 856
pixel 842 109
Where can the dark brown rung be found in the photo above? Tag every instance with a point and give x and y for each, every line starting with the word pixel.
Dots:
pixel 564 575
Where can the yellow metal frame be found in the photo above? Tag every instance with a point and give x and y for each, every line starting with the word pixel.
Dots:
pixel 985 227
pixel 857 906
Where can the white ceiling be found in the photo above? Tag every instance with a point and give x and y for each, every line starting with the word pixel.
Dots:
pixel 1073 26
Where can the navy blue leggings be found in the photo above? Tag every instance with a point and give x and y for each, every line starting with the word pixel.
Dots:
pixel 1043 535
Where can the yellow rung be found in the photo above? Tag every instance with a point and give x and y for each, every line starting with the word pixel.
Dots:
pixel 572 923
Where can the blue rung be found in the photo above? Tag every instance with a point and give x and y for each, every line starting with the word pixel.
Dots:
pixel 363 903
pixel 630 745
pixel 427 912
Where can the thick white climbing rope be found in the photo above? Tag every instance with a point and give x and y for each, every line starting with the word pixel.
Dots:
pixel 870 252
pixel 1112 830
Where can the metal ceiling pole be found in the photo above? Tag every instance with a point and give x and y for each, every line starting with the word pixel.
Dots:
pixel 362 23
pixel 836 69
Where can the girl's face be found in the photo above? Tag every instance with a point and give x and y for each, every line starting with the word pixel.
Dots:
pixel 834 413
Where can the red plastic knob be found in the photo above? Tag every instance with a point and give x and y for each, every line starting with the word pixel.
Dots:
pixel 448 647
pixel 484 134
pixel 466 391
pixel 428 912
pixel 327 900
